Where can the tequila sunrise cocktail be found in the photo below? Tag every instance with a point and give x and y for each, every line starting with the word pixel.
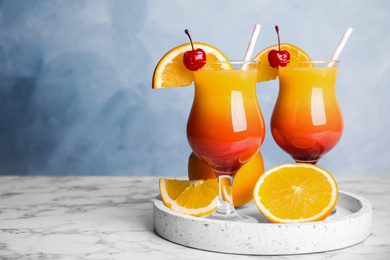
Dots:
pixel 307 121
pixel 225 127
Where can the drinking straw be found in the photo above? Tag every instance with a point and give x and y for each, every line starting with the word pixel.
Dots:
pixel 341 45
pixel 251 45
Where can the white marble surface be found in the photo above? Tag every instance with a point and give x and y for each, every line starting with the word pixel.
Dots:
pixel 111 218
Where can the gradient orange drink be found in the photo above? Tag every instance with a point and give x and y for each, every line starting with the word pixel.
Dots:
pixel 225 127
pixel 307 120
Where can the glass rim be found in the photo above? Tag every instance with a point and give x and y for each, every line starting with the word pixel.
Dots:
pixel 234 61
pixel 314 61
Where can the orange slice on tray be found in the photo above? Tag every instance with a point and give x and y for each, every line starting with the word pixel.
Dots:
pixel 296 193
pixel 266 72
pixel 195 198
pixel 170 70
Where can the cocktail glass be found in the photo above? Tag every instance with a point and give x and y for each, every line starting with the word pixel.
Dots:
pixel 225 127
pixel 307 121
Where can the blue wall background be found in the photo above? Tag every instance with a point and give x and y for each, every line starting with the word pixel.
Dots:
pixel 75 80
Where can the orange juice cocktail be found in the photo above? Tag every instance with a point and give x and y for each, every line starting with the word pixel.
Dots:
pixel 225 127
pixel 307 121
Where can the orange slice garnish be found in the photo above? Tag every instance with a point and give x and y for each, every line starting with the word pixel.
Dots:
pixel 266 72
pixel 296 193
pixel 170 70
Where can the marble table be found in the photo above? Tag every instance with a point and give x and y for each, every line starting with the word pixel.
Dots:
pixel 110 217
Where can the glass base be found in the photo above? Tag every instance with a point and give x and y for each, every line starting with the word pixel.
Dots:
pixel 309 161
pixel 234 217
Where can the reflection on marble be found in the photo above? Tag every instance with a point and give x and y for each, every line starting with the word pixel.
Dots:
pixel 111 218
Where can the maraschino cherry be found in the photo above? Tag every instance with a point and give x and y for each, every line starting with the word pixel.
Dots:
pixel 278 58
pixel 195 59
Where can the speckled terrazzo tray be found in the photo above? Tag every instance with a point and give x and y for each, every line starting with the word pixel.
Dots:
pixel 350 225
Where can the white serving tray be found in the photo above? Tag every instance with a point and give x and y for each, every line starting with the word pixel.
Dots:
pixel 350 225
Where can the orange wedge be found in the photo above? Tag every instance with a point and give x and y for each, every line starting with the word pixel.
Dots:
pixel 266 72
pixel 195 198
pixel 296 193
pixel 170 70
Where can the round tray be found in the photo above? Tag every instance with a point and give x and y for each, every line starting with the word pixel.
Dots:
pixel 350 225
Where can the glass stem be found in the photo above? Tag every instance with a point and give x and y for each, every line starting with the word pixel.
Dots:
pixel 225 205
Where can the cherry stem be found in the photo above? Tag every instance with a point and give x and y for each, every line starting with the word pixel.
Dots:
pixel 186 31
pixel 277 31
